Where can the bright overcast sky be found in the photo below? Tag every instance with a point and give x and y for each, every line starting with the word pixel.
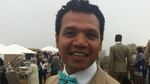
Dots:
pixel 31 23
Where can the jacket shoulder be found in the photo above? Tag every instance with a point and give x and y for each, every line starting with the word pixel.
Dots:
pixel 102 77
pixel 52 80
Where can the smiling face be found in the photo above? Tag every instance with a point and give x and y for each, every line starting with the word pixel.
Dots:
pixel 79 40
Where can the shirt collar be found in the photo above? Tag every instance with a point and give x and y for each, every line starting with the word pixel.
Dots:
pixel 118 42
pixel 84 76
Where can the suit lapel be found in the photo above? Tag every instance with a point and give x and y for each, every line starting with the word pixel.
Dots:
pixel 98 77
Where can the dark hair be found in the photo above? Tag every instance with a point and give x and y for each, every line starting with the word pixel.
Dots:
pixel 80 6
pixel 118 37
pixel 1 62
pixel 3 79
pixel 140 49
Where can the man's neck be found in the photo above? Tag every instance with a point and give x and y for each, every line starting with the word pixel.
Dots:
pixel 70 70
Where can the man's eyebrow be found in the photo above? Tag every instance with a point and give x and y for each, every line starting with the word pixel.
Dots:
pixel 92 30
pixel 69 28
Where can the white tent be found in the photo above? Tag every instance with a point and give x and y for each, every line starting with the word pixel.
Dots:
pixel 2 56
pixel 49 48
pixel 2 48
pixel 2 45
pixel 19 48
pixel 8 55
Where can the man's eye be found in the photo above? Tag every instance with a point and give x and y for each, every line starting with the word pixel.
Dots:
pixel 69 33
pixel 92 36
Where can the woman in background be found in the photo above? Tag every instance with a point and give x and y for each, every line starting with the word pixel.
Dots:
pixel 139 66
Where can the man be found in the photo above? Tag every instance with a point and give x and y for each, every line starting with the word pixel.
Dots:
pixel 119 58
pixel 32 73
pixel 79 36
pixel 55 65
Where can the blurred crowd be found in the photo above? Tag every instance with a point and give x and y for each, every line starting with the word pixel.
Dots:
pixel 33 68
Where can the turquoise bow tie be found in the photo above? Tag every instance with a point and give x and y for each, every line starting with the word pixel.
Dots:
pixel 63 79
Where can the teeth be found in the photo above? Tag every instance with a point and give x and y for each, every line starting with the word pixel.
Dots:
pixel 80 54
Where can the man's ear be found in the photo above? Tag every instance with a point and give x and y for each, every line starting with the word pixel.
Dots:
pixel 57 39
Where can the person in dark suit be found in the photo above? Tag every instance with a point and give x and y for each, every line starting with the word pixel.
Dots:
pixel 3 79
pixel 118 55
pixel 55 65
pixel 79 36
pixel 40 71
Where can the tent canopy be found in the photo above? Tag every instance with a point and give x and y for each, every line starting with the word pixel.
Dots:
pixel 49 48
pixel 19 48
pixel 2 48
pixel 2 56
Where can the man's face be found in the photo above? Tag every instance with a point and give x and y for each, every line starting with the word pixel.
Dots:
pixel 79 40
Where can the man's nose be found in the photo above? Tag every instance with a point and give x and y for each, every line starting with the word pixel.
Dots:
pixel 80 41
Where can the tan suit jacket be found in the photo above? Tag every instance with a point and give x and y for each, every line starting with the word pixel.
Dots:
pixel 100 77
pixel 119 58
pixel 32 74
pixel 147 56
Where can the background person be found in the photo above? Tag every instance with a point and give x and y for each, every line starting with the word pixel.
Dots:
pixel 118 63
pixel 139 66
pixel 55 65
pixel 3 79
pixel 147 57
pixel 32 73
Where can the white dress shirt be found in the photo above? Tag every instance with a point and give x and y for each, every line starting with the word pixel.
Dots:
pixel 84 76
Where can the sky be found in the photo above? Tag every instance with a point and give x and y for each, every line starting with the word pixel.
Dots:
pixel 31 23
